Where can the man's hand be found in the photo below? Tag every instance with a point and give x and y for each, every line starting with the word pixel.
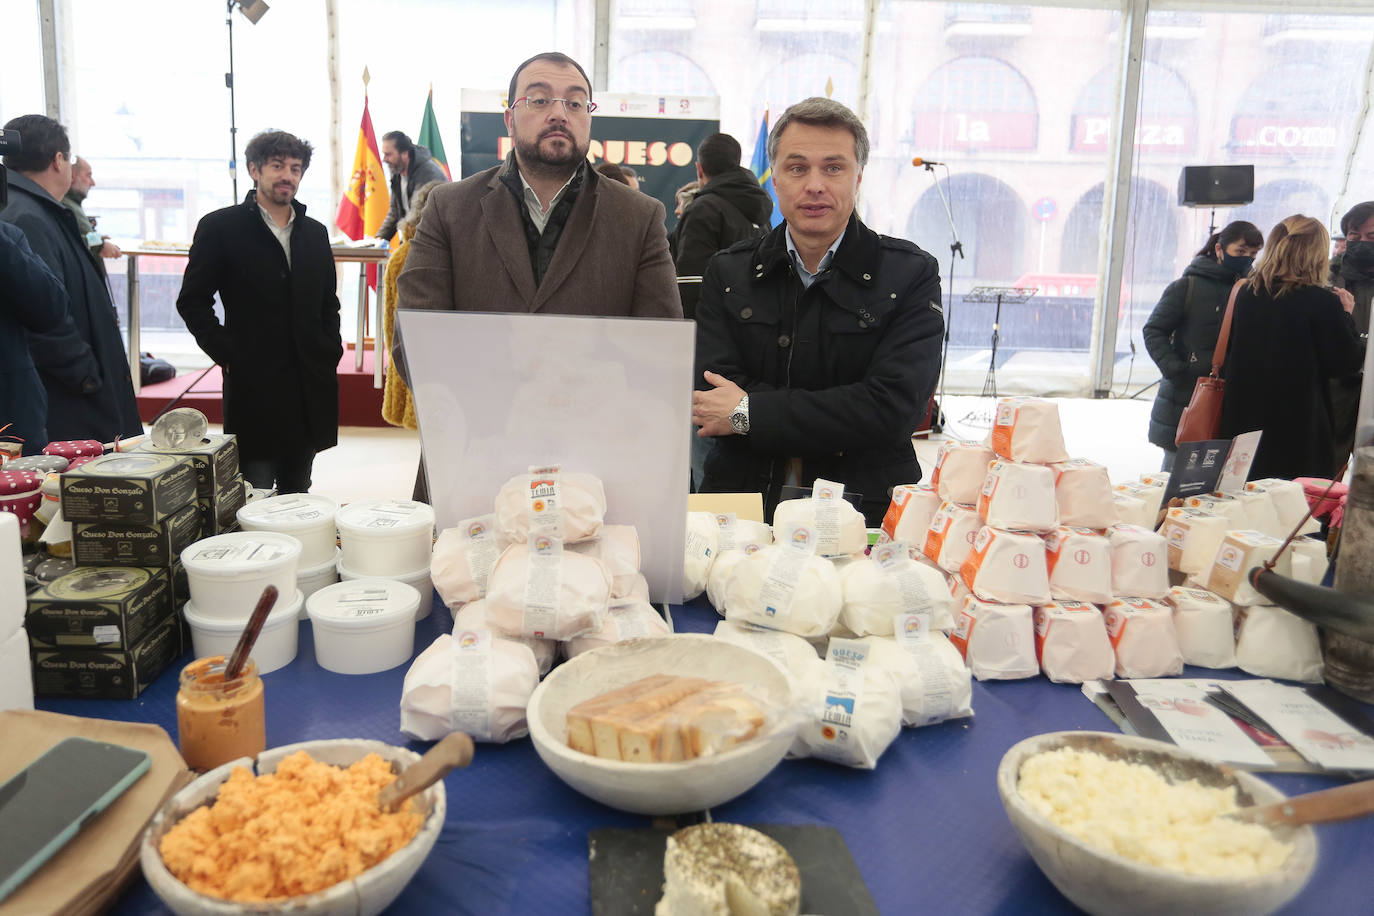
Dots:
pixel 110 250
pixel 711 409
pixel 1347 300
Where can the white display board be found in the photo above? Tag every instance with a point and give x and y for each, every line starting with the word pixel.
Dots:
pixel 497 393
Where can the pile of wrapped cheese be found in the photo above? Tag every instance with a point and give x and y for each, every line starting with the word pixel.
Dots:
pixel 543 575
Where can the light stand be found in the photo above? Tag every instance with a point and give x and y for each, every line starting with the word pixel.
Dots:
pixel 955 248
pixel 252 10
pixel 1014 295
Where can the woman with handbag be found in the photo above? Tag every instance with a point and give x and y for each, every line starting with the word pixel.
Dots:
pixel 1290 334
pixel 1182 330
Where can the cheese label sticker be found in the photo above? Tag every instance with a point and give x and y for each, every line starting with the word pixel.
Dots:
pixel 725 522
pixel 104 635
pixel 470 683
pixel 784 571
pixel 482 550
pixel 843 693
pixel 1116 625
pixel 963 630
pixel 242 551
pixel 539 617
pixel 827 495
pixel 629 623
pixel 912 629
pixel 544 502
pixel 1229 557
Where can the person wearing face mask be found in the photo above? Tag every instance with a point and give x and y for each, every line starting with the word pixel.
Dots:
pixel 1181 334
pixel 1352 269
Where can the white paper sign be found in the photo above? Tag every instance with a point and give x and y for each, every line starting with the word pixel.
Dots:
pixel 1197 725
pixel 1314 731
pixel 495 393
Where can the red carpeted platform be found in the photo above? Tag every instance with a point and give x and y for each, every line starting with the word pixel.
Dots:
pixel 359 403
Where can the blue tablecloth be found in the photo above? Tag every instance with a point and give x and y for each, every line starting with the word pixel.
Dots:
pixel 926 827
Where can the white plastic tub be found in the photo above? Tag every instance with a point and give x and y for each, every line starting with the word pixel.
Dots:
pixel 309 581
pixel 227 572
pixel 419 580
pixel 363 625
pixel 386 537
pixel 305 516
pixel 276 645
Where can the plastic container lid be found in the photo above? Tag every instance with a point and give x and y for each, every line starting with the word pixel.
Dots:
pixel 363 604
pixel 281 612
pixel 240 552
pixel 292 512
pixel 382 517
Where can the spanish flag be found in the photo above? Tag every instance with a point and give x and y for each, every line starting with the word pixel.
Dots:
pixel 365 203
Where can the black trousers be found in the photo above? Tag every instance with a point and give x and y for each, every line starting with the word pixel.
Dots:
pixel 288 471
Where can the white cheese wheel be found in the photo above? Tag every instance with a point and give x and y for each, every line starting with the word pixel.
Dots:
pixel 473 616
pixel 1205 627
pixel 1083 493
pixel 1027 429
pixel 1007 566
pixel 759 593
pixel 618 548
pixel 856 708
pixel 1272 642
pixel 568 505
pixel 498 676
pixel 996 640
pixel 462 560
pixel 960 468
pixel 1072 644
pixel 874 594
pixel 703 543
pixel 1080 565
pixel 839 527
pixel 580 597
pixel 624 620
pixel 1142 633
pixel 1140 562
pixel 789 652
pixel 1018 496
pixel 735 532
pixel 720 868
pixel 936 684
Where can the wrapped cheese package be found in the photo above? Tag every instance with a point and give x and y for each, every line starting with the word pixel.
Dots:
pixel 1240 552
pixel 1142 634
pixel 540 590
pixel 470 681
pixel 1308 560
pixel 566 505
pixel 1083 493
pixel 617 547
pixel 1204 626
pixel 950 536
pixel 1192 537
pixel 908 515
pixel 857 708
pixel 960 468
pixel 1140 562
pixel 996 640
pixel 1290 502
pixel 462 559
pixel 473 616
pixel 789 652
pixel 936 684
pixel 733 531
pixel 721 570
pixel 889 582
pixel 1132 509
pixel 1228 507
pixel 786 587
pixel 1027 429
pixel 838 525
pixel 1155 479
pixel 1152 492
pixel 624 620
pixel 1260 514
pixel 1007 566
pixel 1018 496
pixel 703 543
pixel 1272 642
pixel 1080 565
pixel 1071 643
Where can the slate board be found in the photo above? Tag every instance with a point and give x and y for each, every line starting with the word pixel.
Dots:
pixel 626 869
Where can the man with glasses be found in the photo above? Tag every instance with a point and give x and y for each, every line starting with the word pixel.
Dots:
pixel 90 389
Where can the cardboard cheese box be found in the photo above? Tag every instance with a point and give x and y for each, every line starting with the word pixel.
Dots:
pixel 98 607
pixel 215 459
pixel 219 513
pixel 112 674
pixel 132 544
pixel 128 487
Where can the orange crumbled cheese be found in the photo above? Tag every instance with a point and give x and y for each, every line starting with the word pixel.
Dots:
pixel 301 829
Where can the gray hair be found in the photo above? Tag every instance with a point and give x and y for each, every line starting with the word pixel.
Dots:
pixel 820 112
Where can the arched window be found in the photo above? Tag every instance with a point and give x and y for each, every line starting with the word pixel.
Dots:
pixel 1277 200
pixel 1293 110
pixel 660 71
pixel 805 76
pixel 975 103
pixel 1151 239
pixel 1168 115
pixel 992 220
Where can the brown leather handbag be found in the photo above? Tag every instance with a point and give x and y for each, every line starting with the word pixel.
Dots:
pixel 1201 419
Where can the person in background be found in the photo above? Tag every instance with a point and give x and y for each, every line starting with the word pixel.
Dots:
pixel 82 182
pixel 1352 269
pixel 1181 334
pixel 279 346
pixel 90 388
pixel 818 346
pixel 631 177
pixel 614 173
pixel 1290 335
pixel 411 168
pixel 398 406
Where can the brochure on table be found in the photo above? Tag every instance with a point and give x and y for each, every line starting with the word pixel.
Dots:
pixel 498 393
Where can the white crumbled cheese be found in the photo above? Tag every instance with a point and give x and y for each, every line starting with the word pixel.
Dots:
pixel 1130 810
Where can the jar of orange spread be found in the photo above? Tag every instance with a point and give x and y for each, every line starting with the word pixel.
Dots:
pixel 219 720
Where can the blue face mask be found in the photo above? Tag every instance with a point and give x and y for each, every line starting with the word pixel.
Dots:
pixel 1237 264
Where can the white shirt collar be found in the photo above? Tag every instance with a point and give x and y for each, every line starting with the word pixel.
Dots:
pixel 537 212
pixel 807 277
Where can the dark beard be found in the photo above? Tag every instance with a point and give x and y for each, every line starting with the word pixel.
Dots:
pixel 534 161
pixel 78 196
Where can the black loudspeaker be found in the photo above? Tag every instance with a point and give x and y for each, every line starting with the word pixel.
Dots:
pixel 1216 185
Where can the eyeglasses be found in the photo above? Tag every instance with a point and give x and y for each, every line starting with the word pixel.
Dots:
pixel 538 104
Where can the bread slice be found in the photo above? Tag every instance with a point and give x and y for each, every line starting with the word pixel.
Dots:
pixel 633 731
pixel 580 737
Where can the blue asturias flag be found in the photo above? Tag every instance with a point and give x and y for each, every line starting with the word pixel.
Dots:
pixel 760 167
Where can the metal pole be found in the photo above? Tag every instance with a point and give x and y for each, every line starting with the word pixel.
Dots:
pixel 1116 206
pixel 379 330
pixel 601 35
pixel 131 285
pixel 362 317
pixel 52 80
pixel 233 123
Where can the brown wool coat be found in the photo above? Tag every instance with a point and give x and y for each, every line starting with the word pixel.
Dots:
pixel 470 255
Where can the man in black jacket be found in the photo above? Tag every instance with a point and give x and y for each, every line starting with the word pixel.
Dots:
pixel 1353 270
pixel 279 345
pixel 729 207
pixel 90 388
pixel 818 346
pixel 412 167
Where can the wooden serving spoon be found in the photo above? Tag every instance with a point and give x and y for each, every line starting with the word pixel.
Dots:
pixel 1339 804
pixel 449 754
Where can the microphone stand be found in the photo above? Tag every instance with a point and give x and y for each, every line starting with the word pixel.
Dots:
pixel 956 248
pixel 233 125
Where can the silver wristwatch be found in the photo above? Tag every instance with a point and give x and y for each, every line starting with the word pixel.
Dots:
pixel 739 417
